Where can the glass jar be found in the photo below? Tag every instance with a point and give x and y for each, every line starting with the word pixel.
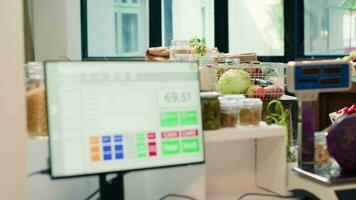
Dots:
pixel 250 111
pixel 237 98
pixel 322 158
pixel 35 99
pixel 207 73
pixel 210 110
pixel 228 113
pixel 180 50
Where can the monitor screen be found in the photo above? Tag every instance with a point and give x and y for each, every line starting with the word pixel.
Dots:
pixel 119 116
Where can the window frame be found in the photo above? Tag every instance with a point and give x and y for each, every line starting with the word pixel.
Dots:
pixel 154 25
pixel 293 11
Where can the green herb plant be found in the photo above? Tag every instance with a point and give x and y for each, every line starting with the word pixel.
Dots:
pixel 276 114
pixel 199 45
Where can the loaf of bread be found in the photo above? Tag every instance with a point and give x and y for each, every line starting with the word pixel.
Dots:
pixel 157 53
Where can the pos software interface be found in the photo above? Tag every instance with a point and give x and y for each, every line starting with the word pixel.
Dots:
pixel 119 116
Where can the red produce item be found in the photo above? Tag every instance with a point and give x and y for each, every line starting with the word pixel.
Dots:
pixel 350 111
pixel 260 92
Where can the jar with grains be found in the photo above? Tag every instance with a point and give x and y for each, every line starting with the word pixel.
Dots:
pixel 35 99
pixel 250 111
pixel 228 112
pixel 210 110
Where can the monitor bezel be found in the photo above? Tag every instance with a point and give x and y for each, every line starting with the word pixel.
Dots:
pixel 114 171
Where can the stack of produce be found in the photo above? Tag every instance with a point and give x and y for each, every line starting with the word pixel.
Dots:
pixel 253 81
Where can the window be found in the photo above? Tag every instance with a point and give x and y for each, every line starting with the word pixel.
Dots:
pixel 117 28
pixel 256 26
pixel 329 27
pixel 184 19
pixel 129 43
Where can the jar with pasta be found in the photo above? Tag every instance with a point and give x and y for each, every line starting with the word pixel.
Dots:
pixel 35 99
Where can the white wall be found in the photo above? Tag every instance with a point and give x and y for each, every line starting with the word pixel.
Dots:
pixel 101 28
pixel 188 22
pixel 186 19
pixel 250 28
pixel 56 29
pixel 12 102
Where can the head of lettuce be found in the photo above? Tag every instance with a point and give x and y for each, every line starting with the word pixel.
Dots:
pixel 234 81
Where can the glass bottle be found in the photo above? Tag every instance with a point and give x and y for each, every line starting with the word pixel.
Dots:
pixel 35 99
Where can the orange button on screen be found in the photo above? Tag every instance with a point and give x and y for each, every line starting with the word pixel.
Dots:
pixel 94 140
pixel 94 150
pixel 95 158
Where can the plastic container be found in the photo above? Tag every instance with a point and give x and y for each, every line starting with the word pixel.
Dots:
pixel 180 50
pixel 250 111
pixel 321 154
pixel 228 112
pixel 35 99
pixel 210 110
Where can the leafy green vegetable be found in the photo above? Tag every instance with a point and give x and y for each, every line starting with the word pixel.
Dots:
pixel 276 114
pixel 199 45
pixel 234 81
pixel 351 57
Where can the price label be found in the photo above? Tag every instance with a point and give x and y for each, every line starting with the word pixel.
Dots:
pixel 177 97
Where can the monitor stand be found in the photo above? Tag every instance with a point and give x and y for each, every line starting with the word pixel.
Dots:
pixel 112 189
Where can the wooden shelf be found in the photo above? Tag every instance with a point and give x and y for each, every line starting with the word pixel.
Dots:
pixel 244 132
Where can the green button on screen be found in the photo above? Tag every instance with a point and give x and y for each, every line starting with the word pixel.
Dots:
pixel 190 145
pixel 141 137
pixel 189 118
pixel 170 147
pixel 169 119
pixel 141 150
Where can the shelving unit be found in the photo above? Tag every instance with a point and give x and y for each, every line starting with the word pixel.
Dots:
pixel 238 160
pixel 254 160
pixel 243 133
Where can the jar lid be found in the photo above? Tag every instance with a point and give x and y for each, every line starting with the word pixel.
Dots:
pixel 209 95
pixel 235 97
pixel 251 102
pixel 34 64
pixel 228 105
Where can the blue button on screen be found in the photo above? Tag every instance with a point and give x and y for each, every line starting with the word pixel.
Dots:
pixel 107 157
pixel 118 138
pixel 106 139
pixel 119 156
pixel 106 148
pixel 119 147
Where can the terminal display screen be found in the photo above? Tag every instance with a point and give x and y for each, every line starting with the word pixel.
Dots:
pixel 120 116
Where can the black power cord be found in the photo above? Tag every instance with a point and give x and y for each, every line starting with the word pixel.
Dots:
pixel 92 194
pixel 264 195
pixel 40 172
pixel 179 196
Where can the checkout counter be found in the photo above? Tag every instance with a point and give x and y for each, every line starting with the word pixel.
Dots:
pixel 238 161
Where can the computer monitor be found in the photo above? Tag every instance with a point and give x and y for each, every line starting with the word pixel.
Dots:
pixel 120 116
